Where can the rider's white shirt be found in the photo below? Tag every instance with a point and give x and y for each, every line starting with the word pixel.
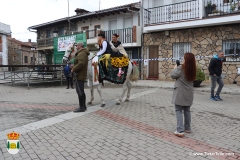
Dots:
pixel 103 49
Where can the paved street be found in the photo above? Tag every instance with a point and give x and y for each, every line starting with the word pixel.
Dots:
pixel 140 129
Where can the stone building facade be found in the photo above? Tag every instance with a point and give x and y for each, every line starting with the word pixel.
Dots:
pixel 205 41
pixel 20 53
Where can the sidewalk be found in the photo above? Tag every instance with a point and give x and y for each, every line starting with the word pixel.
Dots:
pixel 205 87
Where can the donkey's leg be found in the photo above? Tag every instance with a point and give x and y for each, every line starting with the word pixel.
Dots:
pixel 129 86
pixel 92 91
pixel 123 92
pixel 99 89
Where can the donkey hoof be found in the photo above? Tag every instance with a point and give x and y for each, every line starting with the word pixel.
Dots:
pixel 118 103
pixel 103 105
pixel 127 100
pixel 89 103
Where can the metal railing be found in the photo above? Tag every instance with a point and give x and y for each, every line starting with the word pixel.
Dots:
pixel 231 49
pixel 189 10
pixel 32 76
pixel 125 35
pixel 221 7
pixel 46 42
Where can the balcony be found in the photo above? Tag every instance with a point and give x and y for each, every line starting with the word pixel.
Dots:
pixel 172 13
pixel 46 43
pixel 221 7
pixel 194 13
pixel 128 37
pixel 5 29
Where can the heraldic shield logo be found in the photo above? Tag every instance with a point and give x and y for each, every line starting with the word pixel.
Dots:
pixel 13 143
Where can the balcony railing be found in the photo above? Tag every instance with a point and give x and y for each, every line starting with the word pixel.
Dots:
pixel 125 35
pixel 221 7
pixel 90 34
pixel 46 42
pixel 189 10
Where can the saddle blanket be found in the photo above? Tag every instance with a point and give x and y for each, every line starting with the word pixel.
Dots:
pixel 109 68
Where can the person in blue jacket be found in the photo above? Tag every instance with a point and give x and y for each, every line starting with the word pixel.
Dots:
pixel 68 75
pixel 215 70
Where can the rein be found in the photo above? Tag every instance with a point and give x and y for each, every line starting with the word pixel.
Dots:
pixel 92 57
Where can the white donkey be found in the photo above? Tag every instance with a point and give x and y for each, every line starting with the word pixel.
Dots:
pixel 132 75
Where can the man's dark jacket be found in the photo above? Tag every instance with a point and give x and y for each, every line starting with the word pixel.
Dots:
pixel 215 66
pixel 81 64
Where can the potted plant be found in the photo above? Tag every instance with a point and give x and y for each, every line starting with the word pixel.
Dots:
pixel 209 8
pixel 215 12
pixel 214 6
pixel 200 76
pixel 233 7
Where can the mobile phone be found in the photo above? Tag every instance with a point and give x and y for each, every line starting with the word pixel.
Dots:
pixel 178 62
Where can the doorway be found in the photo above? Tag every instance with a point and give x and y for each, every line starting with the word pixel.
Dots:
pixel 87 31
pixel 153 64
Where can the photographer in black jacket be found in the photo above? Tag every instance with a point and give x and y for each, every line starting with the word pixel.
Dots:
pixel 215 70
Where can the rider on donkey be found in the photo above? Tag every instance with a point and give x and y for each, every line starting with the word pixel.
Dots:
pixel 103 45
pixel 105 49
pixel 117 50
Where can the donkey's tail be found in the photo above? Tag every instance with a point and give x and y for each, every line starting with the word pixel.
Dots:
pixel 135 74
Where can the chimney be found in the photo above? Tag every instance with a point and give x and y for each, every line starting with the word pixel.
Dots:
pixel 29 40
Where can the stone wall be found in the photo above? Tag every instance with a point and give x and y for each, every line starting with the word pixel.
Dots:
pixel 204 42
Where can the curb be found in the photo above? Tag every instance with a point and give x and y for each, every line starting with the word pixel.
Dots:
pixel 196 90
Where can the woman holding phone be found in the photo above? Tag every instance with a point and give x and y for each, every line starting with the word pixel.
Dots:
pixel 182 97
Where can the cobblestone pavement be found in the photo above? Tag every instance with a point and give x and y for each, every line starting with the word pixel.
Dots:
pixel 139 129
pixel 26 106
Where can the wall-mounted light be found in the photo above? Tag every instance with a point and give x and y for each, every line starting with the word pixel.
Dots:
pixel 167 33
pixel 83 21
pixel 90 22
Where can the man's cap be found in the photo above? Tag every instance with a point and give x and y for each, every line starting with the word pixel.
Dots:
pixel 80 43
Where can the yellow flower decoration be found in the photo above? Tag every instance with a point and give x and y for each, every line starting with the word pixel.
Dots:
pixel 119 62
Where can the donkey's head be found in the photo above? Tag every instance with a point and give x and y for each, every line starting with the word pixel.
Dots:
pixel 69 53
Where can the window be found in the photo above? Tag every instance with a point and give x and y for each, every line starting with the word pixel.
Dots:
pixel 179 49
pixel 231 47
pixel 96 30
pixel 31 59
pixel 128 22
pixel 87 31
pixel 0 43
pixel 25 59
pixel 14 58
pixel 113 25
pixel 61 31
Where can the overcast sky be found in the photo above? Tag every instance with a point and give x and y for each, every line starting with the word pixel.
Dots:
pixel 21 14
